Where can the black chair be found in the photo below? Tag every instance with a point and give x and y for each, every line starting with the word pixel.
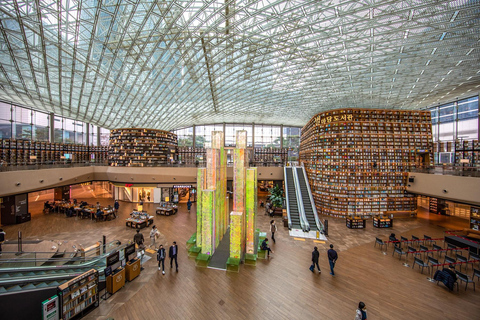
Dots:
pixel 415 240
pixel 449 259
pixel 380 242
pixel 475 258
pixel 403 239
pixel 420 263
pixel 412 250
pixel 424 250
pixel 476 273
pixel 463 277
pixel 453 248
pixel 428 240
pixel 435 247
pixel 433 262
pixel 463 259
pixel 400 252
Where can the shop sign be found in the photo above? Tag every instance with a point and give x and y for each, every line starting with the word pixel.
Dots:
pixel 182 186
pixel 128 185
pixel 50 308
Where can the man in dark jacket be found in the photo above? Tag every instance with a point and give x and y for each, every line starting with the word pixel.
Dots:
pixel 172 254
pixel 315 256
pixel 332 258
pixel 264 246
pixel 161 258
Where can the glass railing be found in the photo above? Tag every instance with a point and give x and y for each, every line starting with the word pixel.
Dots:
pixel 450 169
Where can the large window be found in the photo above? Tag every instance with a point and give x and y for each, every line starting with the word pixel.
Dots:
pixel 455 120
pixel 203 134
pixel 267 136
pixel 185 137
pixel 24 123
pixel 231 135
pixel 291 140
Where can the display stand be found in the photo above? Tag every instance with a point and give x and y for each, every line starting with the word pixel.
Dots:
pixel 382 222
pixel 139 220
pixel 475 218
pixel 166 209
pixel 132 269
pixel 356 223
pixel 116 281
pixel 79 295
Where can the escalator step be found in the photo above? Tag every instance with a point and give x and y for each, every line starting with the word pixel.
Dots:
pixel 14 288
pixel 29 286
pixel 3 290
pixel 30 274
pixel 4 275
pixel 53 284
pixel 41 285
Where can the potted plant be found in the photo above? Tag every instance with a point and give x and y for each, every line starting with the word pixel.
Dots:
pixel 276 198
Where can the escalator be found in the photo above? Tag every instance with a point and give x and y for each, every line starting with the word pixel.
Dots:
pixel 294 221
pixel 307 201
pixel 25 275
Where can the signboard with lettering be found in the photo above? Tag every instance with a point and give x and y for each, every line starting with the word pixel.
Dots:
pixel 50 308
pixel 324 119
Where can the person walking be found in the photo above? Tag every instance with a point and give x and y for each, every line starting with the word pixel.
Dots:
pixel 315 256
pixel 116 206
pixel 139 240
pixel 189 205
pixel 154 233
pixel 273 229
pixel 161 258
pixel 172 254
pixel 264 246
pixel 332 259
pixel 2 239
pixel 361 312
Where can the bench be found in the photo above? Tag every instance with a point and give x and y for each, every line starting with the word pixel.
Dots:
pixel 192 241
pixel 250 259
pixel 233 264
pixel 202 260
pixel 194 251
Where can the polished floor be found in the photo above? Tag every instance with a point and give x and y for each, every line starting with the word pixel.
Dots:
pixel 281 287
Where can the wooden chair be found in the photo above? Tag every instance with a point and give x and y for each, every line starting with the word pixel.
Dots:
pixel 420 263
pixel 463 277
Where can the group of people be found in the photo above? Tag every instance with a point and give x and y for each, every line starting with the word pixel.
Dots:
pixel 332 259
pixel 70 209
pixel 161 254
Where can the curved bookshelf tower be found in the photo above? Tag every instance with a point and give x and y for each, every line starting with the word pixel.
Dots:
pixel 136 147
pixel 357 160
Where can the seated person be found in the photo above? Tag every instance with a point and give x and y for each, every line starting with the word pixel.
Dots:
pixel 69 212
pixel 392 237
pixel 47 206
pixel 447 276
pixel 99 213
pixel 264 246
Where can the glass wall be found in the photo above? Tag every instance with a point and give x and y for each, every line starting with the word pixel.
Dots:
pixel 24 123
pixel 266 136
pixel 455 120
pixel 185 137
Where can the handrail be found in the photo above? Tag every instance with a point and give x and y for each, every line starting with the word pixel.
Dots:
pixel 303 219
pixel 286 196
pixel 320 226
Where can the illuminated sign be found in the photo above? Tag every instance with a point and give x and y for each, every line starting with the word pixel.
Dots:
pixel 182 186
pixel 322 119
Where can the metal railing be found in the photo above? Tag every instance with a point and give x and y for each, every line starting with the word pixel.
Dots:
pixel 449 169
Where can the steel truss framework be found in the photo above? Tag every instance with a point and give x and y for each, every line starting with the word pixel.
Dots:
pixel 172 64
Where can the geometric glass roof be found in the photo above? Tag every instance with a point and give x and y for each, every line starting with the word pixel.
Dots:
pixel 172 64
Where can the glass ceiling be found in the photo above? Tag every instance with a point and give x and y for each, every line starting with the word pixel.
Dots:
pixel 171 64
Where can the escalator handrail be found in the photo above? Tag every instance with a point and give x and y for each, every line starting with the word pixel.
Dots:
pixel 312 203
pixel 303 219
pixel 286 197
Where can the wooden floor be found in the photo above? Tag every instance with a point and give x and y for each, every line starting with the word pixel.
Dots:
pixel 279 288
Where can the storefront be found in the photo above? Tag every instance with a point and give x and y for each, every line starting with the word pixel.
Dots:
pixel 444 207
pixel 154 193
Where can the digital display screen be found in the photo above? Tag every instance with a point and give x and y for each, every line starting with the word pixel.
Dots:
pixel 129 250
pixel 113 259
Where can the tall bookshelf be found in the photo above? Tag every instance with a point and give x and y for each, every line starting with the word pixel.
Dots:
pixel 79 295
pixel 137 147
pixel 357 160
pixel 467 153
pixel 19 152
